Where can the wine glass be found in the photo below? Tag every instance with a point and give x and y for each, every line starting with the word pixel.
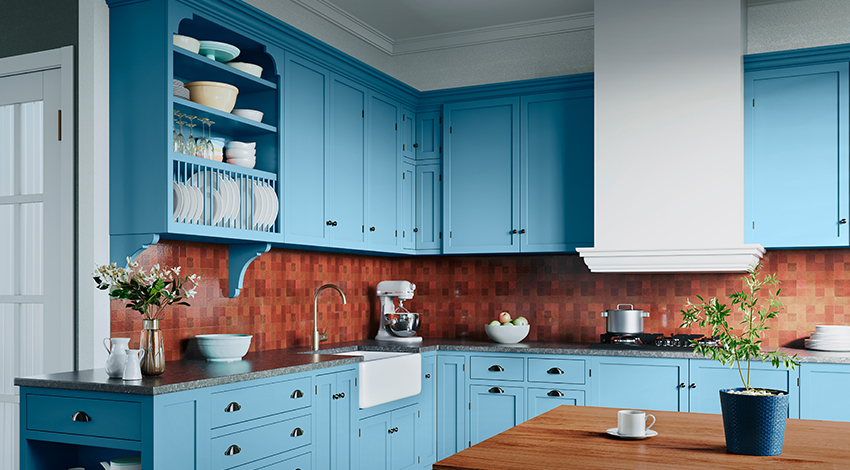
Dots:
pixel 190 141
pixel 200 143
pixel 210 147
pixel 180 142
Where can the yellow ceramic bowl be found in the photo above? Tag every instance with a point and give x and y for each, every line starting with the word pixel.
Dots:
pixel 216 95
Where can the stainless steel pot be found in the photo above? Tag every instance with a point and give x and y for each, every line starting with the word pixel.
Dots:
pixel 625 322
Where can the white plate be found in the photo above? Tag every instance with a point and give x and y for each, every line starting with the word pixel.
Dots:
pixel 197 205
pixel 228 193
pixel 267 213
pixel 178 200
pixel 275 205
pixel 217 207
pixel 259 205
pixel 188 204
pixel 649 433
pixel 828 345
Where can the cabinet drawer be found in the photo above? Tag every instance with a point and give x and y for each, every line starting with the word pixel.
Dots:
pixel 106 418
pixel 497 367
pixel 300 462
pixel 260 442
pixel 244 404
pixel 561 371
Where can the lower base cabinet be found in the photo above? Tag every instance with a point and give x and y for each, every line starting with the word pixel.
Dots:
pixel 494 408
pixel 451 405
pixel 640 383
pixel 336 408
pixel 387 441
pixel 823 391
pixel 426 420
pixel 707 378
pixel 541 400
pixel 298 462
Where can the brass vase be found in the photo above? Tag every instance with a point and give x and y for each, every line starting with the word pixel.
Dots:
pixel 153 363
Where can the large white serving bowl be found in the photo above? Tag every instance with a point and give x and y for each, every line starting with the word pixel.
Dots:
pixel 233 152
pixel 223 347
pixel 190 44
pixel 221 96
pixel 252 69
pixel 241 145
pixel 251 114
pixel 507 334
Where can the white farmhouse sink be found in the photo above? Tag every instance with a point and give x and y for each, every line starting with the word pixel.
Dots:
pixel 387 376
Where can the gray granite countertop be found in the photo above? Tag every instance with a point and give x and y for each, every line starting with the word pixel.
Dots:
pixel 191 374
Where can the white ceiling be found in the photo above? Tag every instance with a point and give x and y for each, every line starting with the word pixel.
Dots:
pixel 409 26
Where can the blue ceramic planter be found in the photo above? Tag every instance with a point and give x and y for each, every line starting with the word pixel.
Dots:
pixel 754 425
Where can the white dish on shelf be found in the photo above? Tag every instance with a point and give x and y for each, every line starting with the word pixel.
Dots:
pixel 250 69
pixel 190 44
pixel 219 51
pixel 241 145
pixel 243 162
pixel 251 114
pixel 217 207
pixel 233 192
pixel 189 217
pixel 177 206
pixel 275 204
pixel 198 195
pixel 259 200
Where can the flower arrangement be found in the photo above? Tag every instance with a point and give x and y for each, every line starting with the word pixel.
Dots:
pixel 746 345
pixel 149 293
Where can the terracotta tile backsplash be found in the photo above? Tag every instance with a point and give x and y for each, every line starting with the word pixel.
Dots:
pixel 457 295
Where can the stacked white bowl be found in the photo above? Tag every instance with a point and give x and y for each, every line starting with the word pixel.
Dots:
pixel 830 338
pixel 243 154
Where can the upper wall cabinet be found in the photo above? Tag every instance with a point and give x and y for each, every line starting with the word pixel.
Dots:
pixel 429 145
pixel 519 174
pixel 796 156
pixel 383 174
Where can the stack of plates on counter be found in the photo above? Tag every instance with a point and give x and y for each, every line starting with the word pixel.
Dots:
pixel 830 338
pixel 180 91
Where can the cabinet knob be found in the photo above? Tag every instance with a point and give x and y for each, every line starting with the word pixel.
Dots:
pixel 427 376
pixel 297 432
pixel 842 221
pixel 555 393
pixel 514 231
pixel 334 223
pixel 555 371
pixel 693 385
pixel 342 394
pixel 415 230
pixel 80 417
pixel 371 229
pixel 232 407
pixel 496 368
pixel 682 385
pixel 297 394
pixel 522 230
pixel 329 223
pixel 415 145
pixel 496 390
pixel 233 450
pixel 335 396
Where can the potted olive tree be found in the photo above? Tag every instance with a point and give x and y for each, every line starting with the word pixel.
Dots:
pixel 753 418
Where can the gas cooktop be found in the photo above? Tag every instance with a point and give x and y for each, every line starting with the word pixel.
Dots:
pixel 651 341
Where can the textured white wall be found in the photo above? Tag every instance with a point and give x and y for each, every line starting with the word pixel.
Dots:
pixel 796 24
pixel 669 124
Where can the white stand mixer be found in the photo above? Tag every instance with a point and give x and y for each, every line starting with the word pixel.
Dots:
pixel 388 291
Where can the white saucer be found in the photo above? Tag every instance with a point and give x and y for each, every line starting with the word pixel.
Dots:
pixel 649 433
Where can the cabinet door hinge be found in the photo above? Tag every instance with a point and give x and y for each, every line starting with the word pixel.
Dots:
pixel 60 125
pixel 754 102
pixel 798 381
pixel 317 389
pixel 450 234
pixel 403 233
pixel 396 234
pixel 470 405
pixel 418 413
pixel 359 434
pixel 355 381
pixel 362 113
pixel 402 116
pixel 402 147
pixel 450 129
pixel 754 225
pixel 464 367
pixel 418 459
pixel 441 119
pixel 441 234
pixel 590 372
pixel 441 177
pixel 403 176
pixel 470 443
pixel 441 149
pixel 396 126
pixel 363 228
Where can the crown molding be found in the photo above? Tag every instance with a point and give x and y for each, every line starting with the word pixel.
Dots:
pixel 326 10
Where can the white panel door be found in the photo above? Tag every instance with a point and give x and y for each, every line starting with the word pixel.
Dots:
pixel 36 244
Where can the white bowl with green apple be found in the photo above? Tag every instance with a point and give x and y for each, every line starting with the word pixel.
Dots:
pixel 507 330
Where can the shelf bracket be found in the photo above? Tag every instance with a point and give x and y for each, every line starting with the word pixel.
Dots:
pixel 240 257
pixel 123 246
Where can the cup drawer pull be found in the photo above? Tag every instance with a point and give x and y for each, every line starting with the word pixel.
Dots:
pixel 297 432
pixel 297 394
pixel 496 390
pixel 496 368
pixel 80 417
pixel 232 407
pixel 555 371
pixel 233 450
pixel 555 393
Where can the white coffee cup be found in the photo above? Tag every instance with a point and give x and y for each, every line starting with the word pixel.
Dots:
pixel 633 423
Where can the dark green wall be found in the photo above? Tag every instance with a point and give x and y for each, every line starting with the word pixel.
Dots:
pixel 37 25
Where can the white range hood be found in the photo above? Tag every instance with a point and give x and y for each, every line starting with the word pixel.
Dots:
pixel 669 137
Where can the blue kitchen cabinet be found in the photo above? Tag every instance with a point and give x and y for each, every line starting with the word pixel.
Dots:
pixel 388 440
pixel 383 175
pixel 336 408
pixel 429 208
pixel 494 408
pixel 429 144
pixel 541 400
pixel 408 205
pixel 706 378
pixel 426 419
pixel 556 171
pixel 306 106
pixel 345 170
pixel 823 391
pixel 639 383
pixel 481 191
pixel 451 405
pixel 796 156
pixel 408 133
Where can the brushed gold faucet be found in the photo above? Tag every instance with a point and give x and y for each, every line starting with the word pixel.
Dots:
pixel 315 336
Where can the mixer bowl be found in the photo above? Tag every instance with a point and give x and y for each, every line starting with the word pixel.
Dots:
pixel 402 324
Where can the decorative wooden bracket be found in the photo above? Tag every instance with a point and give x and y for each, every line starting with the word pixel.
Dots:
pixel 123 246
pixel 240 258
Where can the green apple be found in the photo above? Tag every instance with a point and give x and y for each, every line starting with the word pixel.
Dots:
pixel 494 323
pixel 507 323
pixel 520 321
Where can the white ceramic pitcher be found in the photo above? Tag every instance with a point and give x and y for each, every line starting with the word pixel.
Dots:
pixel 133 368
pixel 117 356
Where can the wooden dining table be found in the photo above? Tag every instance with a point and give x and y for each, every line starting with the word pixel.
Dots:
pixel 575 437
